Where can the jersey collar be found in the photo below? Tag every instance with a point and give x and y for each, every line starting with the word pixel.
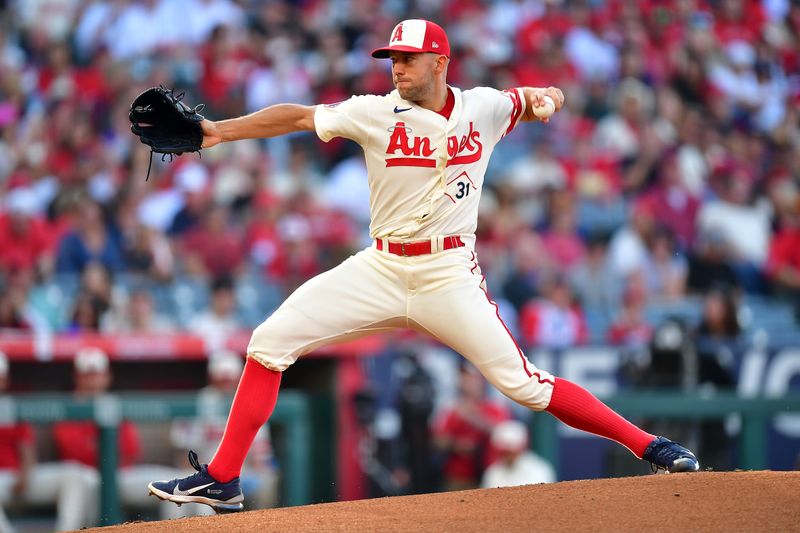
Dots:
pixel 457 104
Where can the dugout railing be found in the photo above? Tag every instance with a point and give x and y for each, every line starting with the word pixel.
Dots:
pixel 292 414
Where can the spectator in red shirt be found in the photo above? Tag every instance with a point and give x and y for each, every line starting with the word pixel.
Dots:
pixel 554 321
pixel 561 240
pixel 72 488
pixel 225 66
pixel 24 244
pixel 673 205
pixel 77 440
pixel 215 248
pixel 262 239
pixel 631 329
pixel 463 432
pixel 783 263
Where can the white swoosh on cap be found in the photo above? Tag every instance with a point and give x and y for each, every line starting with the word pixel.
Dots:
pixel 178 492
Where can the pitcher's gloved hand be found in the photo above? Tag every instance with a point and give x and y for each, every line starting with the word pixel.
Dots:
pixel 164 123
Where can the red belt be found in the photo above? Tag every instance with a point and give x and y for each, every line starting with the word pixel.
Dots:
pixel 408 249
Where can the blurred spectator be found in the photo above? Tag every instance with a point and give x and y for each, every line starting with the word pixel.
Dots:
pixel 463 431
pixel 348 188
pixel 302 252
pixel 690 78
pixel 93 301
pixel 592 56
pixel 220 320
pixel 533 174
pixel 192 179
pixel 735 78
pixel 259 476
pixel 560 240
pixel 71 487
pixel 213 248
pixel 683 111
pixel 710 262
pixel 627 250
pixel 630 328
pixel 16 310
pixel 665 268
pixel 300 174
pixel 96 281
pixel 595 284
pixel 673 205
pixel 262 240
pixel 720 315
pixel 516 464
pixel 527 266
pixel 745 227
pixel 225 66
pixel 13 302
pixel 716 337
pixel 87 313
pixel 137 316
pixel 619 133
pixel 555 320
pixel 77 440
pixel 148 253
pixel 783 265
pixel 24 240
pixel 90 240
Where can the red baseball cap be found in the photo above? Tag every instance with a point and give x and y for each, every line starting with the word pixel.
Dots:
pixel 416 35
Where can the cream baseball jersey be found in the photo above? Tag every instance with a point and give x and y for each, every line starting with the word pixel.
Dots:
pixel 425 171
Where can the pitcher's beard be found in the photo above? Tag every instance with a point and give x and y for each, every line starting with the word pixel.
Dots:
pixel 412 94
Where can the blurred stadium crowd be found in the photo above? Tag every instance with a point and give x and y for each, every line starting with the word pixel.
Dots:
pixel 668 186
pixel 673 169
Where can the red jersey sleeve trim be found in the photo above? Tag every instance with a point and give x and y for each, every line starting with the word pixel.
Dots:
pixel 518 106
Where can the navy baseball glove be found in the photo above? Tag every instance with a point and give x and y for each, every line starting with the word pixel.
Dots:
pixel 164 123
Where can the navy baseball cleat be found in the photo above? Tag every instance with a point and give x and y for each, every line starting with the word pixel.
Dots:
pixel 200 487
pixel 670 456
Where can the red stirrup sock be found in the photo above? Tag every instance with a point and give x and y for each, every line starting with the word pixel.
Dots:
pixel 252 405
pixel 579 408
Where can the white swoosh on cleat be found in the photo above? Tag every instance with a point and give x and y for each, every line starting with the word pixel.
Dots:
pixel 178 492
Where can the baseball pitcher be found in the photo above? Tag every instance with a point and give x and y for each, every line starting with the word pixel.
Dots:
pixel 427 146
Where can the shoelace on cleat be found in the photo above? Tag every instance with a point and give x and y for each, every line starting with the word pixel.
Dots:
pixel 195 461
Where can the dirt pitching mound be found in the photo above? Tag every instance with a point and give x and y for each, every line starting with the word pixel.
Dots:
pixel 705 501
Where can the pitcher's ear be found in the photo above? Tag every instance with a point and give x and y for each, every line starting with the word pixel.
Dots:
pixel 441 63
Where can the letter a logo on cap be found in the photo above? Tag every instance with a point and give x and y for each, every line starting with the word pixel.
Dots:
pixel 415 36
pixel 398 33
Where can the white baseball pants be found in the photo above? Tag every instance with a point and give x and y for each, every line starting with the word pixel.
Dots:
pixel 442 294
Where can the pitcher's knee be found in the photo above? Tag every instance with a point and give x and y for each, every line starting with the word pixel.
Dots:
pixel 527 385
pixel 269 347
pixel 533 395
pixel 270 360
